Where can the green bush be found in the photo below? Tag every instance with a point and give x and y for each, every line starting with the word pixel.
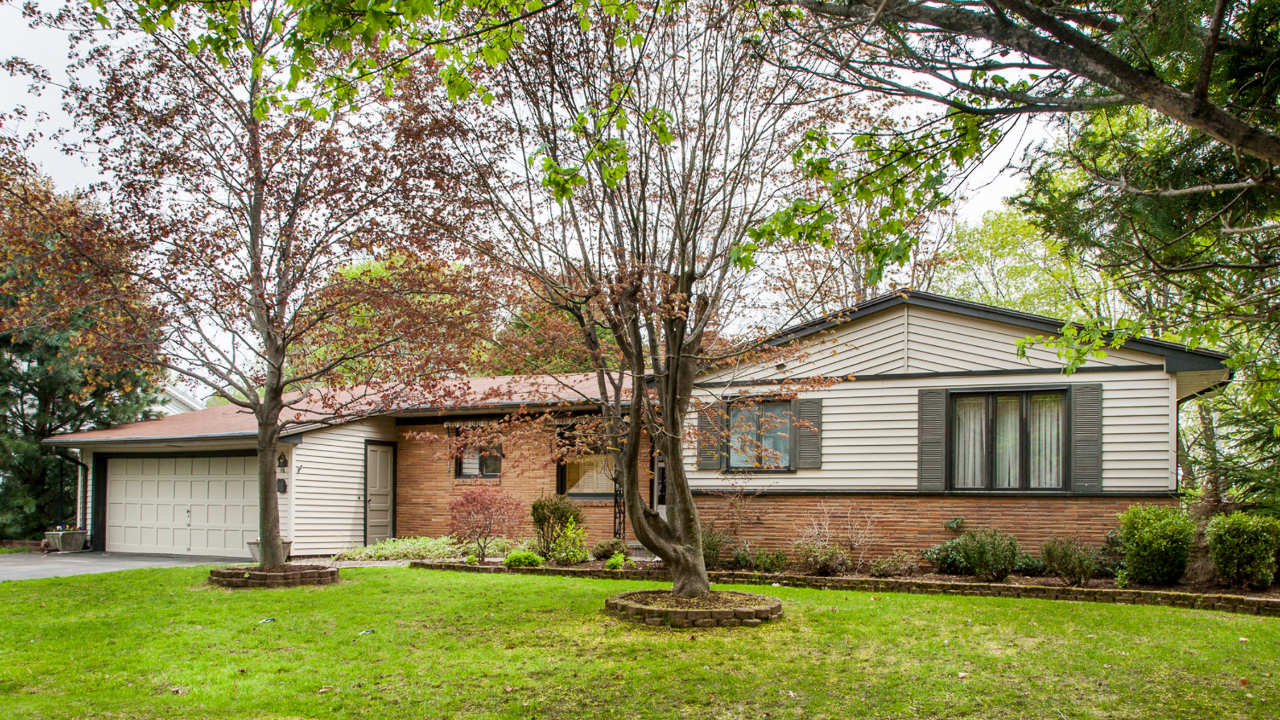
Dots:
pixel 821 558
pixel 1157 543
pixel 1028 565
pixel 570 546
pixel 1111 556
pixel 1243 547
pixel 769 562
pixel 1070 559
pixel 898 564
pixel 551 515
pixel 618 561
pixel 945 558
pixel 606 549
pixel 414 548
pixel 991 553
pixel 742 558
pixel 713 542
pixel 471 560
pixel 522 558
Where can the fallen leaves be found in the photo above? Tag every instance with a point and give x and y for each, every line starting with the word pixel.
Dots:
pixel 507 689
pixel 327 689
pixel 963 675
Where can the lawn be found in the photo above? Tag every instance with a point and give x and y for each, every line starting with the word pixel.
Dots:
pixel 163 644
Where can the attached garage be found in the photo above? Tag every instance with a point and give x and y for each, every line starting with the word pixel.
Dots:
pixel 205 505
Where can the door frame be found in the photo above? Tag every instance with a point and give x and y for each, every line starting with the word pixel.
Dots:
pixel 364 506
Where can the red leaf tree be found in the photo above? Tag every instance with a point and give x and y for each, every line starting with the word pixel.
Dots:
pixel 478 516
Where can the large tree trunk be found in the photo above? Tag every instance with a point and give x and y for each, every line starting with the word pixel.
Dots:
pixel 268 414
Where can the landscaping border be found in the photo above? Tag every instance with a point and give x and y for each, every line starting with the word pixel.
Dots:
pixel 763 609
pixel 1223 603
pixel 235 577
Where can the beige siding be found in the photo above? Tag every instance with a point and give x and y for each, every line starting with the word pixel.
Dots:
pixel 869 431
pixel 328 486
pixel 906 339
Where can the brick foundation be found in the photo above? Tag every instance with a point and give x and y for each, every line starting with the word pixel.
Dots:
pixel 906 522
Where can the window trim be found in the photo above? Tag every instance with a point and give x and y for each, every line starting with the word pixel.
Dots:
pixel 1024 450
pixel 792 438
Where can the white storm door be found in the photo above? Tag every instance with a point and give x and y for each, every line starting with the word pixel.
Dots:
pixel 182 506
pixel 379 476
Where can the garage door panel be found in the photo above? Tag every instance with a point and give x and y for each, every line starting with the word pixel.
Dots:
pixel 155 508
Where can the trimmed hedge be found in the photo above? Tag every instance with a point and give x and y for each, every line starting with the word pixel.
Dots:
pixel 1243 547
pixel 1157 543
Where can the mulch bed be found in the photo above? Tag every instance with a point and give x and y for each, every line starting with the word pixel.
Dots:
pixel 719 608
pixel 274 576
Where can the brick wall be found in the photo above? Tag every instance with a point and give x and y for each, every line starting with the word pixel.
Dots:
pixel 425 485
pixel 915 522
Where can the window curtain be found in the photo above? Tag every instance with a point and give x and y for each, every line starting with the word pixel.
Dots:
pixel 1045 438
pixel 743 423
pixel 1008 435
pixel 970 443
pixel 775 435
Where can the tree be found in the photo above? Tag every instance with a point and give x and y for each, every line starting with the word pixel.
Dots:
pixel 633 176
pixel 479 516
pixel 245 218
pixel 51 380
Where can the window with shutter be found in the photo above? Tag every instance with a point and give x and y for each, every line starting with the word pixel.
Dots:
pixel 808 432
pixel 710 420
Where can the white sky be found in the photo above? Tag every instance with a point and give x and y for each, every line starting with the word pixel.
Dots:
pixel 986 189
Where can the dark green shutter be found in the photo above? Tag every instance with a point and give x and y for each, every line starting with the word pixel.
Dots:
pixel 932 450
pixel 710 423
pixel 1086 438
pixel 809 437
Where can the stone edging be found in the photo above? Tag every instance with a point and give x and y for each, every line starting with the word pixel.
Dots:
pixel 767 609
pixel 1223 603
pixel 246 577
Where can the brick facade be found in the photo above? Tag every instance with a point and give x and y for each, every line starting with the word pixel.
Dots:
pixel 425 485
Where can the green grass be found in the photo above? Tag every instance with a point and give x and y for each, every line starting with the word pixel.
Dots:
pixel 12 550
pixel 459 645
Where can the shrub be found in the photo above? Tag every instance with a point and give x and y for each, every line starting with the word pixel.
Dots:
pixel 606 549
pixel 415 548
pixel 522 558
pixel 1157 543
pixel 1028 565
pixel 945 558
pixel 742 558
pixel 895 565
pixel 991 553
pixel 551 515
pixel 1111 556
pixel 479 516
pixel 1070 559
pixel 617 561
pixel 713 542
pixel 1243 547
pixel 570 546
pixel 471 560
pixel 769 562
pixel 821 559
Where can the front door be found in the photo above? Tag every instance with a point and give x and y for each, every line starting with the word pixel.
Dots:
pixel 379 491
pixel 659 485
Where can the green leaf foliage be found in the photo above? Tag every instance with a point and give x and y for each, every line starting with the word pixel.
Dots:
pixel 1157 543
pixel 1243 547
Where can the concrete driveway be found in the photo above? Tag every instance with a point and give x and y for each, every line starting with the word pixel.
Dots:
pixel 31 566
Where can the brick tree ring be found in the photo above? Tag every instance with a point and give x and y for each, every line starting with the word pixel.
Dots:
pixel 282 576
pixel 720 608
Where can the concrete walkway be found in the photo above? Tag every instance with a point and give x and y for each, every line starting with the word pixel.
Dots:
pixel 34 565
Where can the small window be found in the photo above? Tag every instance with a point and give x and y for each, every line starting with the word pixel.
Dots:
pixel 589 475
pixel 760 436
pixel 478 461
pixel 1008 441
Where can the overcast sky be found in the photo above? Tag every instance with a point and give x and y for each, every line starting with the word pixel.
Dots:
pixel 986 189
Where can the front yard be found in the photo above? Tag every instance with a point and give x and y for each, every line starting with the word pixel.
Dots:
pixel 162 643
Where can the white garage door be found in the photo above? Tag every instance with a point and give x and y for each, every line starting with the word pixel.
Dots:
pixel 182 506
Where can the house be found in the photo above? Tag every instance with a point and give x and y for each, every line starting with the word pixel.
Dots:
pixel 926 413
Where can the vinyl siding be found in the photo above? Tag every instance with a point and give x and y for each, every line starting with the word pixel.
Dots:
pixel 869 432
pixel 328 485
pixel 907 339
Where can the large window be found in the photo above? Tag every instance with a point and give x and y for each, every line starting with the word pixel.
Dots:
pixel 1008 441
pixel 760 436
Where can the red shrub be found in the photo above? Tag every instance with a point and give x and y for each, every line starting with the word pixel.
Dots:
pixel 479 516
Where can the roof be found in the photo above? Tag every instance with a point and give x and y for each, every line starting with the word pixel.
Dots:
pixel 1178 358
pixel 230 422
